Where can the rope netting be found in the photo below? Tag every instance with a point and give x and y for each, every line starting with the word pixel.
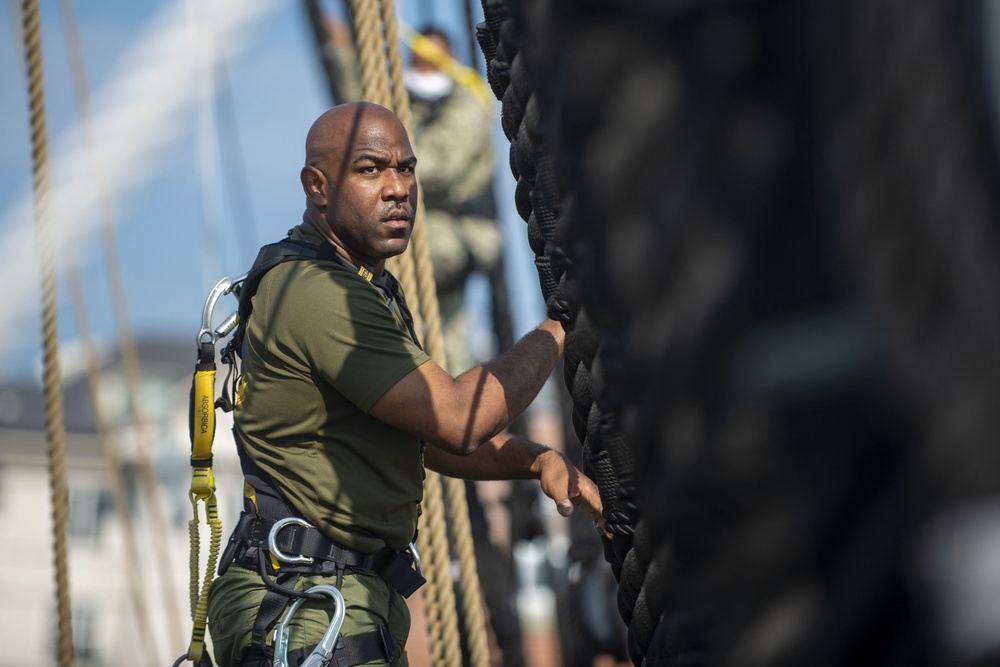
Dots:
pixel 769 228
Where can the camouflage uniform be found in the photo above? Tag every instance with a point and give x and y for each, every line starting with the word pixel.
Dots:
pixel 451 139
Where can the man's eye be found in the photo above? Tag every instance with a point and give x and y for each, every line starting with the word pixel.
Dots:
pixel 368 170
pixel 406 169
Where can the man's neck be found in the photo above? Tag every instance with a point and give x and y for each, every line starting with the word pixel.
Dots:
pixel 375 267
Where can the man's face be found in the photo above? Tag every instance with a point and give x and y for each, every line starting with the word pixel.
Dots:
pixel 372 188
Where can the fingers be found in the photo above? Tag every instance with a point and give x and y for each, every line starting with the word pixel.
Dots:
pixel 564 507
pixel 570 488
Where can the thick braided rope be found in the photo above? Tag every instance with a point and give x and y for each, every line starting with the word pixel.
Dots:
pixel 371 51
pixel 458 508
pixel 545 208
pixel 54 430
pixel 472 603
pixel 439 595
pixel 129 351
pixel 549 215
pixel 909 191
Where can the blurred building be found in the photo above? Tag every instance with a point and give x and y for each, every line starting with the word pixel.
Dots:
pixel 108 629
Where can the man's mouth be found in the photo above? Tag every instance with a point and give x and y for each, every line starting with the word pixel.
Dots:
pixel 398 216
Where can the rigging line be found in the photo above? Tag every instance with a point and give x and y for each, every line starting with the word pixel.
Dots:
pixel 129 350
pixel 109 449
pixel 470 33
pixel 458 507
pixel 438 594
pixel 235 167
pixel 206 139
pixel 54 427
pixel 323 45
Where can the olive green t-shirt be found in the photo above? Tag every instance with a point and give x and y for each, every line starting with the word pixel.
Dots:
pixel 323 345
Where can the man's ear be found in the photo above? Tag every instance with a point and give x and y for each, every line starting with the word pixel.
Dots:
pixel 314 185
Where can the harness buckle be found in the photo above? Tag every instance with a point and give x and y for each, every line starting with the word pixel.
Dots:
pixel 323 653
pixel 388 643
pixel 416 557
pixel 272 541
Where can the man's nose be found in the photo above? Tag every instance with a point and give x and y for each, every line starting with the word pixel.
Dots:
pixel 394 185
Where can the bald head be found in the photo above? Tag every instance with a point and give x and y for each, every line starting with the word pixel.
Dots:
pixel 359 182
pixel 334 133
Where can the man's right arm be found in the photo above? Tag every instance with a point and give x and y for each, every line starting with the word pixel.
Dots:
pixel 458 414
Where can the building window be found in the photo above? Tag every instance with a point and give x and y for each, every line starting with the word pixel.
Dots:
pixel 84 628
pixel 87 511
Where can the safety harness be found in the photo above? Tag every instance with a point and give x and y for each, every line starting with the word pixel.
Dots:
pixel 271 538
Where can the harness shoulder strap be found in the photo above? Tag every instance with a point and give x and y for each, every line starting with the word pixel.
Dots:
pixel 289 249
pixel 269 257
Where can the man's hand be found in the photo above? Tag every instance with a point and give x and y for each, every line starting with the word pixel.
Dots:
pixel 567 486
pixel 509 457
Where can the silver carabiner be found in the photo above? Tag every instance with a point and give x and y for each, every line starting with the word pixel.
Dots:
pixel 272 541
pixel 323 653
pixel 207 334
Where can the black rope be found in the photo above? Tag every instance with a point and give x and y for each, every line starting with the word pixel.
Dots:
pixel 541 203
pixel 778 271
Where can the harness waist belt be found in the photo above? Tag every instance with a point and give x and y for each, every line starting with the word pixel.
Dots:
pixel 300 547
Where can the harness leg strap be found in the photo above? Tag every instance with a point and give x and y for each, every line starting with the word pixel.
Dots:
pixel 354 650
pixel 271 608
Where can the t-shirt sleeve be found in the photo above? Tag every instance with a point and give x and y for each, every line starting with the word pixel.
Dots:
pixel 349 336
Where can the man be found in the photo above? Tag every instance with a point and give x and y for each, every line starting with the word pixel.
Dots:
pixel 335 400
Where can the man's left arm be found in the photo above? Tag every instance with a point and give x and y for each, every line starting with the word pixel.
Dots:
pixel 509 457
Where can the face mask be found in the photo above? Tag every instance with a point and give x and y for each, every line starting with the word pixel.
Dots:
pixel 429 86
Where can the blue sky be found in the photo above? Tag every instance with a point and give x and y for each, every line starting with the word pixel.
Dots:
pixel 190 208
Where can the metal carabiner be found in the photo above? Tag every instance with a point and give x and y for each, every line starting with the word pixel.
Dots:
pixel 207 334
pixel 272 541
pixel 323 653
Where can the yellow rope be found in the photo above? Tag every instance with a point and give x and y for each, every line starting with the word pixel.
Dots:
pixel 54 430
pixel 199 596
pixel 426 290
